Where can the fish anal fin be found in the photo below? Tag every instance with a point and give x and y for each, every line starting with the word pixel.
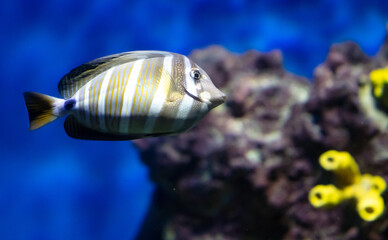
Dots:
pixel 79 131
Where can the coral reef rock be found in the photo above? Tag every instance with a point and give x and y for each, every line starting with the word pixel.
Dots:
pixel 245 171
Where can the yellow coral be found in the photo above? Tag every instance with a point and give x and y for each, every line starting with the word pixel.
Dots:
pixel 370 206
pixel 370 182
pixel 342 164
pixel 325 196
pixel 365 189
pixel 379 79
pixel 366 183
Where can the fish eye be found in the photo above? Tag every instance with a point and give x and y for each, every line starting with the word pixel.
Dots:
pixel 195 74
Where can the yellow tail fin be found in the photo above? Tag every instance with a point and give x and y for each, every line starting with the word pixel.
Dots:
pixel 40 109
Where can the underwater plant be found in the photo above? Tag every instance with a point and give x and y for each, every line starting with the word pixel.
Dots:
pixel 366 189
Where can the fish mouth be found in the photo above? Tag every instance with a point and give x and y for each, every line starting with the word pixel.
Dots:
pixel 213 101
pixel 219 100
pixel 223 97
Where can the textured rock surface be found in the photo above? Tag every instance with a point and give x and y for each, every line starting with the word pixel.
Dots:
pixel 244 172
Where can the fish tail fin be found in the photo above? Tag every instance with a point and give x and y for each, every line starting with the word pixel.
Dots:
pixel 41 109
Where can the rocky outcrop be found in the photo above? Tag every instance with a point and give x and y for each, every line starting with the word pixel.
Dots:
pixel 244 172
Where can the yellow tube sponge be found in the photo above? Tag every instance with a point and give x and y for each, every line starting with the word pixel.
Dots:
pixel 370 182
pixel 365 189
pixel 342 164
pixel 352 191
pixel 379 184
pixel 379 79
pixel 370 206
pixel 325 196
pixel 367 183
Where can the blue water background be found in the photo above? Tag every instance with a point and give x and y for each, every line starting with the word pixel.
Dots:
pixel 55 187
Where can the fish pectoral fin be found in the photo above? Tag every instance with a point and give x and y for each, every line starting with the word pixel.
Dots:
pixel 174 96
pixel 77 130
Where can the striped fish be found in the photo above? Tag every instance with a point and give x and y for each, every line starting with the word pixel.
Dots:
pixel 127 96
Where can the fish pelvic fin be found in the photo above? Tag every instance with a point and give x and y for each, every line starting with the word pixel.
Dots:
pixel 41 109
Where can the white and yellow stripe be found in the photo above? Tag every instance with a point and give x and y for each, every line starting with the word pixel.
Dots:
pixel 140 97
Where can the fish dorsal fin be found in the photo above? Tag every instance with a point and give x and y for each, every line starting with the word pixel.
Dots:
pixel 81 75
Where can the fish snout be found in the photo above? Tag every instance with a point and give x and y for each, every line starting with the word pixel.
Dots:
pixel 217 98
pixel 223 97
pixel 211 95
